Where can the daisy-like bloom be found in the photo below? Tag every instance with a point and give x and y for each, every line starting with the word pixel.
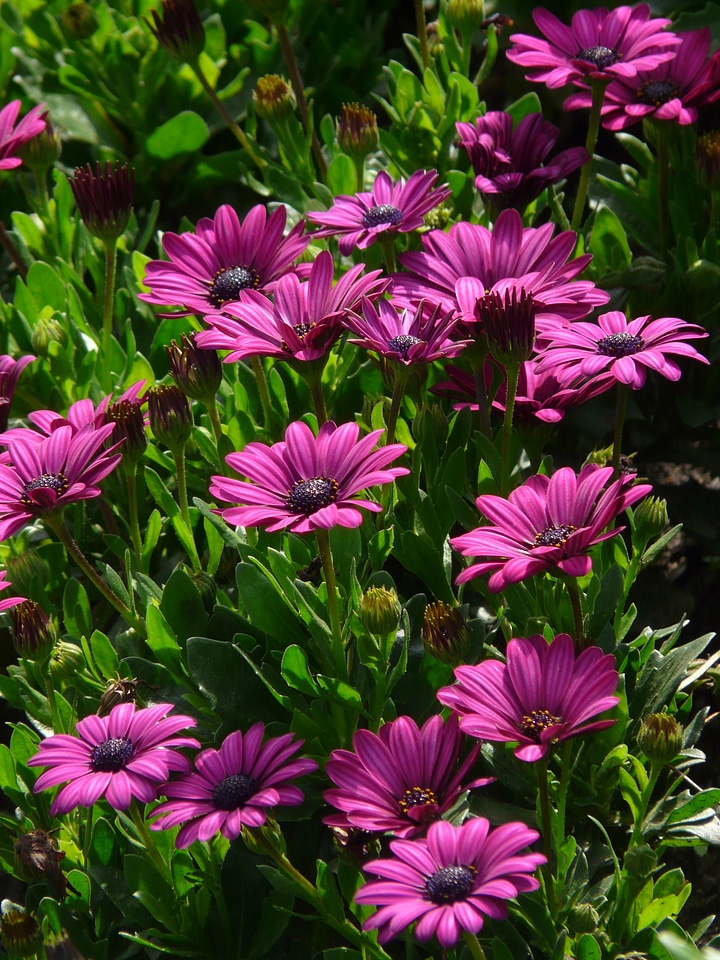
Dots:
pixel 541 694
pixel 233 786
pixel 39 473
pixel 400 779
pixel 547 524
pixel 7 602
pixel 211 267
pixel 389 208
pixel 123 755
pixel 419 333
pixel 451 880
pixel 10 371
pixel 302 320
pixel 599 44
pixel 671 91
pixel 510 165
pixel 305 483
pixel 469 261
pixel 624 349
pixel 13 136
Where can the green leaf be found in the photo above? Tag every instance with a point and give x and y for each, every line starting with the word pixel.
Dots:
pixel 296 672
pixel 266 606
pixel 342 175
pixel 76 609
pixel 185 133
pixel 608 243
pixel 182 606
pixel 588 948
pixel 162 641
pixel 661 675
pixel 328 890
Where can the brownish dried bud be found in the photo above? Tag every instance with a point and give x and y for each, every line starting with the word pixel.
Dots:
pixel 118 691
pixel 444 633
pixel 37 858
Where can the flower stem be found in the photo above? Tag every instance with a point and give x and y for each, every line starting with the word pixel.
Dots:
pixel 637 837
pixel 474 945
pixel 263 391
pixel 316 392
pixel 512 372
pixel 598 95
pixel 148 844
pixel 620 411
pixel 297 85
pixel 663 159
pixel 323 541
pixel 178 454
pixel 402 373
pixel 387 245
pixel 237 132
pixel 360 174
pixel 131 477
pixel 576 604
pixel 545 816
pixel 422 33
pixel 212 409
pixel 109 303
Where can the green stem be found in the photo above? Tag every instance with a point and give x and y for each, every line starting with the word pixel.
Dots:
pixel 360 174
pixel 316 392
pixel 576 604
pixel 148 844
pixel 323 541
pixel 620 411
pixel 402 373
pixel 212 409
pixel 422 33
pixel 297 85
pixel 237 132
pixel 637 837
pixel 178 454
pixel 663 152
pixel 482 398
pixel 544 796
pixel 131 477
pixel 109 305
pixel 387 245
pixel 50 691
pixel 59 528
pixel 263 391
pixel 512 372
pixel 598 95
pixel 474 945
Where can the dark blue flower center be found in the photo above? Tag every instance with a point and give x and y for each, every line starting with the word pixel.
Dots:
pixel 534 723
pixel 620 345
pixel 233 792
pixel 554 536
pixel 383 213
pixel 49 481
pixel 417 797
pixel 111 755
pixel 302 329
pixel 229 282
pixel 307 496
pixel 450 884
pixel 403 343
pixel 601 56
pixel 657 92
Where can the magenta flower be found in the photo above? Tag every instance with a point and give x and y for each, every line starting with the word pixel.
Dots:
pixel 233 787
pixel 599 44
pixel 10 371
pixel 670 91
pixel 45 473
pixel 8 602
pixel 543 693
pixel 547 524
pixel 540 395
pixel 508 164
pixel 469 261
pixel 620 348
pixel 451 880
pixel 390 208
pixel 302 320
pixel 306 483
pixel 419 333
pixel 13 137
pixel 400 779
pixel 123 755
pixel 223 257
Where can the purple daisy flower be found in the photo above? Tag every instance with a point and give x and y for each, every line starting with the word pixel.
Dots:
pixel 599 44
pixel 123 755
pixel 451 880
pixel 14 136
pixel 223 257
pixel 419 333
pixel 10 371
pixel 305 483
pixel 509 164
pixel 461 266
pixel 233 787
pixel 540 395
pixel 671 91
pixel 44 473
pixel 302 320
pixel 8 602
pixel 541 694
pixel 547 524
pixel 620 348
pixel 390 208
pixel 401 778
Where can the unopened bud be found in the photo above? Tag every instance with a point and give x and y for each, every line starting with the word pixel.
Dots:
pixel 660 737
pixel 66 661
pixel 79 21
pixel 465 15
pixel 33 632
pixel 42 150
pixel 170 416
pixel 197 372
pixel 274 98
pixel 357 131
pixel 707 154
pixel 22 567
pixel 444 633
pixel 650 517
pixel 207 588
pixel 104 196
pixel 380 611
pixel 584 918
pixel 431 421
pixel 47 330
pixel 129 427
pixel 178 29
pixel 509 324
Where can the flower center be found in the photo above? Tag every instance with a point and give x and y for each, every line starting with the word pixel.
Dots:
pixel 307 496
pixel 554 536
pixel 383 213
pixel 602 57
pixel 534 723
pixel 417 797
pixel 50 481
pixel 302 329
pixel 403 343
pixel 450 884
pixel 620 345
pixel 111 755
pixel 229 282
pixel 657 92
pixel 233 792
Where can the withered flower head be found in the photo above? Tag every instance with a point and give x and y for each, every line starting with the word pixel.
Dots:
pixel 274 98
pixel 357 130
pixel 130 427
pixel 197 372
pixel 19 931
pixel 170 415
pixel 37 858
pixel 32 631
pixel 104 197
pixel 118 691
pixel 178 29
pixel 444 634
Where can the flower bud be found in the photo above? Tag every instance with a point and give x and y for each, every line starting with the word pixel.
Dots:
pixel 435 44
pixel 42 150
pixel 170 416
pixel 707 155
pixel 444 634
pixel 47 330
pixel 79 21
pixel 380 611
pixel 465 15
pixel 197 372
pixel 19 931
pixel 32 631
pixel 66 661
pixel 660 737
pixel 357 131
pixel 37 858
pixel 509 324
pixel 274 98
pixel 432 422
pixel 178 29
pixel 583 918
pixel 129 427
pixel 21 569
pixel 650 518
pixel 104 197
